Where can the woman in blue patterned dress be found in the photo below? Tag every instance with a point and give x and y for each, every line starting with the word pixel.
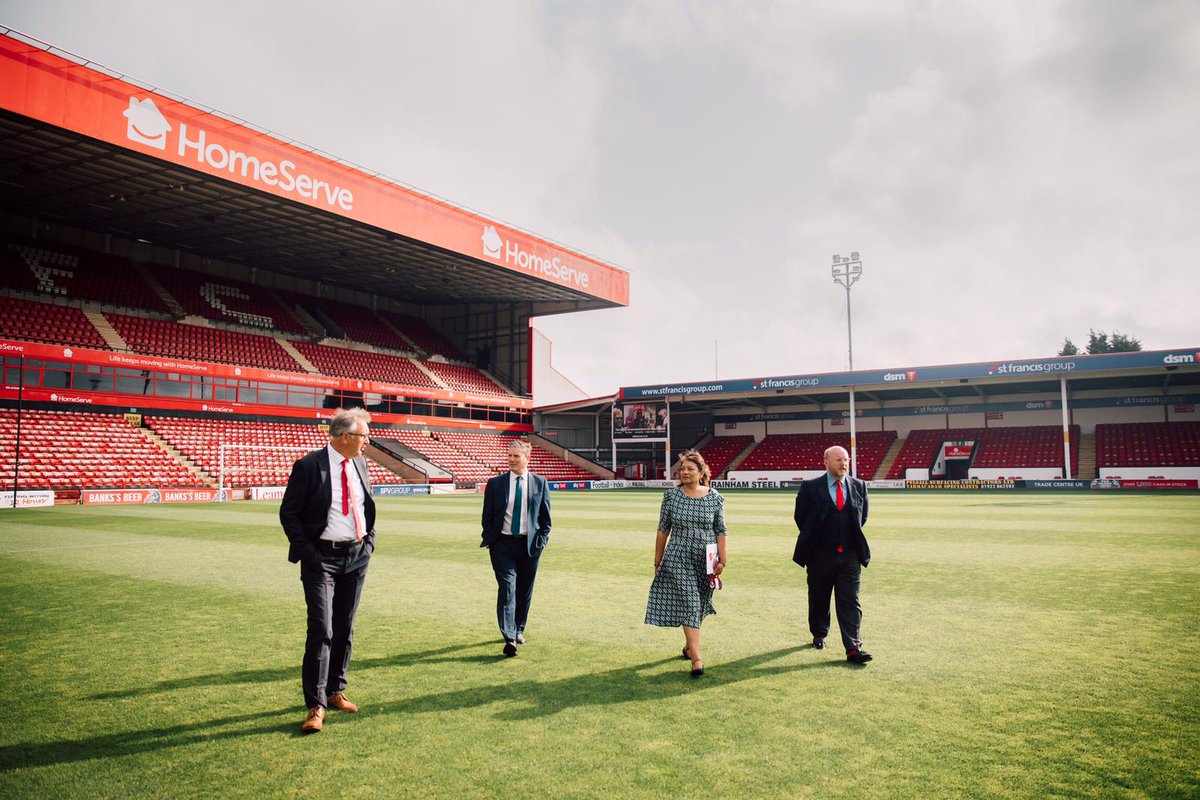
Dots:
pixel 692 517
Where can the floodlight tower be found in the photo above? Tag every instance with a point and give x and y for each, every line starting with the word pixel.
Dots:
pixel 846 272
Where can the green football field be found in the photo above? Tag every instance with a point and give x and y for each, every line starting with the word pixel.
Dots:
pixel 1027 645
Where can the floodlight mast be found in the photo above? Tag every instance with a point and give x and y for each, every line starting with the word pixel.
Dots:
pixel 846 272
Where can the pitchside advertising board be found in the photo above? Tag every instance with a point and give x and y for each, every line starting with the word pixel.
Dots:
pixel 936 485
pixel 1032 368
pixel 61 92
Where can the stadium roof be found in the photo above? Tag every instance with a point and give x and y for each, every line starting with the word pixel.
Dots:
pixel 88 147
pixel 1161 370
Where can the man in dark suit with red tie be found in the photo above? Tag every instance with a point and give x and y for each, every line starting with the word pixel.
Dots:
pixel 831 511
pixel 516 527
pixel 329 518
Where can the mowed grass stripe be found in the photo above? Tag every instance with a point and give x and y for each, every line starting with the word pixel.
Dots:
pixel 1028 646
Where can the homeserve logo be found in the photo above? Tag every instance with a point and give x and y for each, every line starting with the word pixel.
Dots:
pixel 148 126
pixel 495 246
pixel 911 375
pixel 1010 368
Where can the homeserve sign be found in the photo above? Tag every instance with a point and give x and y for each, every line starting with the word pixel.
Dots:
pixel 148 126
pixel 494 246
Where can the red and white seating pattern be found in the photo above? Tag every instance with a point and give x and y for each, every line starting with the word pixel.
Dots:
pixel 28 321
pixel 163 338
pixel 226 300
pixel 200 440
pixel 58 271
pixel 69 450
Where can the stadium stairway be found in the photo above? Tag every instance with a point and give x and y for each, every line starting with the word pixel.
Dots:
pixel 161 291
pixel 106 330
pixel 1087 457
pixel 742 456
pixel 302 316
pixel 385 459
pixel 296 354
pixel 166 447
pixel 890 457
pixel 401 335
pixel 557 449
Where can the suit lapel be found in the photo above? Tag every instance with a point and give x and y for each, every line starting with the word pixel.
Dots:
pixel 323 467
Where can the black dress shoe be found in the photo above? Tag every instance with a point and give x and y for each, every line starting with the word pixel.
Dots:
pixel 818 644
pixel 520 638
pixel 858 656
pixel 697 671
pixel 686 654
pixel 510 649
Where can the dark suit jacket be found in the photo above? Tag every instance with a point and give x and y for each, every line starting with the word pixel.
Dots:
pixel 304 511
pixel 495 502
pixel 813 504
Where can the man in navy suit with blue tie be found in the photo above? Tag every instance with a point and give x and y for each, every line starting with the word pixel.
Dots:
pixel 516 527
pixel 831 511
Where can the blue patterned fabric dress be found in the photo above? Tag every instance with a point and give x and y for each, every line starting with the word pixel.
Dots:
pixel 680 594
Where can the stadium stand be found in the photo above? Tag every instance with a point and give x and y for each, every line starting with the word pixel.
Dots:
pixel 346 363
pixel 1148 444
pixel 58 271
pixel 357 323
pixel 226 300
pixel 28 321
pixel 466 469
pixel 200 440
pixel 70 450
pixel 164 338
pixel 467 379
pixel 492 451
pixel 722 450
pixel 424 336
pixel 1017 447
pixel 806 451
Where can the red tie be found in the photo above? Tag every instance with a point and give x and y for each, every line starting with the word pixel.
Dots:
pixel 346 489
pixel 841 498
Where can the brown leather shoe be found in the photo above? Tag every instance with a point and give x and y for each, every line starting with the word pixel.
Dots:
pixel 314 721
pixel 338 701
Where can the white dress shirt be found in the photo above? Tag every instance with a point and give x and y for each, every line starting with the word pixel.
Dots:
pixel 512 497
pixel 339 527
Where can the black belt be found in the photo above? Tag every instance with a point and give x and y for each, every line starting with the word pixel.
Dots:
pixel 338 547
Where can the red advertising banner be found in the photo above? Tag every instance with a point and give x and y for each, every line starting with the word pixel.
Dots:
pixel 175 494
pixel 61 92
pixel 1159 483
pixel 959 450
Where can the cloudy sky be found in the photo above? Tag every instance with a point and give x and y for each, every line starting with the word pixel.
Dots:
pixel 1012 173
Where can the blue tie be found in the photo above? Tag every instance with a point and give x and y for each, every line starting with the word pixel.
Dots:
pixel 518 509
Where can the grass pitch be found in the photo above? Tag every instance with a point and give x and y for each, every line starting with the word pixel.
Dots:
pixel 1027 646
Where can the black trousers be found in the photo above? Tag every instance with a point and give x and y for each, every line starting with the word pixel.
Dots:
pixel 839 574
pixel 515 571
pixel 332 587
